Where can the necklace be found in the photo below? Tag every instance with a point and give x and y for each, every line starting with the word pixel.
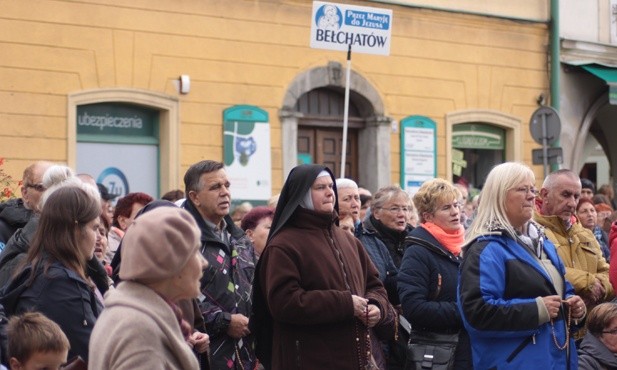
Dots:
pixel 238 357
pixel 395 328
pixel 368 342
pixel 565 345
pixel 365 363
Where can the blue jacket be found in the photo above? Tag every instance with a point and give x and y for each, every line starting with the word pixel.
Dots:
pixel 498 285
pixel 378 252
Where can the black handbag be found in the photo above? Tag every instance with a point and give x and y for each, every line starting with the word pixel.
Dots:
pixel 425 349
pixel 428 350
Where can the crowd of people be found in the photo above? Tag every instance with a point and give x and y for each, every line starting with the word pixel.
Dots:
pixel 327 275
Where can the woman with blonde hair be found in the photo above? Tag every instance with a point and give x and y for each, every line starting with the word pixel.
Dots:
pixel 515 302
pixel 428 275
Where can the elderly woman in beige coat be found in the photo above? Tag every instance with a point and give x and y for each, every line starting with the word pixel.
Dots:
pixel 141 326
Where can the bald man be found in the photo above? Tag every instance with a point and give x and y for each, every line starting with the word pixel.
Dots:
pixel 15 213
pixel 578 248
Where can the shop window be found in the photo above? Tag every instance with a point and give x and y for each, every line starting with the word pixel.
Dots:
pixel 476 149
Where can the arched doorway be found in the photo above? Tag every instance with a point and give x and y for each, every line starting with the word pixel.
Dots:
pixel 322 88
pixel 598 128
pixel 320 130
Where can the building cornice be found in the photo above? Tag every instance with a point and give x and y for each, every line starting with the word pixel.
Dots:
pixel 576 52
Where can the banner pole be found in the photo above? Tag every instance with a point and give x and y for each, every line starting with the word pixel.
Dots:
pixel 346 112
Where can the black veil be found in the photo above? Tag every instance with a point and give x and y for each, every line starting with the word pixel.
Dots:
pixel 298 182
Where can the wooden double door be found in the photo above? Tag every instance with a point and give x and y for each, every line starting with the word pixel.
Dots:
pixel 324 146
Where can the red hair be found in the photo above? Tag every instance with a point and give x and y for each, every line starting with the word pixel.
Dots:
pixel 582 201
pixel 125 205
pixel 251 219
pixel 601 207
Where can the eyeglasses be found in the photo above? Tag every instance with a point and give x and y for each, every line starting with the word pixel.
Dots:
pixel 37 187
pixel 396 210
pixel 527 189
pixel 613 332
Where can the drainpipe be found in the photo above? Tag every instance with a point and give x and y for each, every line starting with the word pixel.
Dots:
pixel 555 65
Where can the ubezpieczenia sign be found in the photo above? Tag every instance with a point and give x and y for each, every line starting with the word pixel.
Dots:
pixel 336 26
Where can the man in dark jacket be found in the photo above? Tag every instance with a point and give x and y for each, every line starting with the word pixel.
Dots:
pixel 226 283
pixel 15 213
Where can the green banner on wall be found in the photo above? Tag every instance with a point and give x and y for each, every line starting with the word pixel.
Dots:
pixel 117 119
pixel 478 136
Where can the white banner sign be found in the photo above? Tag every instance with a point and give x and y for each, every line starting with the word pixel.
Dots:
pixel 336 26
pixel 122 168
pixel 250 169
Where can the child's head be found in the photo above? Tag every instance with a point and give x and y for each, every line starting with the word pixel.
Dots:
pixel 36 342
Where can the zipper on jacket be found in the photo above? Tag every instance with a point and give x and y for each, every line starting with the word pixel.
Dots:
pixel 298 354
pixel 435 294
pixel 533 339
pixel 520 347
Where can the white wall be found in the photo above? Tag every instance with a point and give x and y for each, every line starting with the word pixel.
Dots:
pixel 578 20
pixel 593 153
pixel 531 10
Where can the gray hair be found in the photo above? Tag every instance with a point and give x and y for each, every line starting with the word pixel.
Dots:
pixel 59 176
pixel 192 177
pixel 56 174
pixel 346 183
pixel 551 180
pixel 385 194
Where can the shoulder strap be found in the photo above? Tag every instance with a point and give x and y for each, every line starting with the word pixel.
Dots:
pixel 412 240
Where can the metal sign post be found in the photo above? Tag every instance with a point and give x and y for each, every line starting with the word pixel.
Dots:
pixel 338 27
pixel 346 112
pixel 545 127
pixel 544 146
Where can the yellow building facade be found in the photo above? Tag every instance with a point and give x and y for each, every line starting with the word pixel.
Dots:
pixel 447 66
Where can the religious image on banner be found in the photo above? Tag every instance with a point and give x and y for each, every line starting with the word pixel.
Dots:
pixel 246 152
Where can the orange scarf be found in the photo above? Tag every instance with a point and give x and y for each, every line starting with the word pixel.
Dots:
pixel 452 241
